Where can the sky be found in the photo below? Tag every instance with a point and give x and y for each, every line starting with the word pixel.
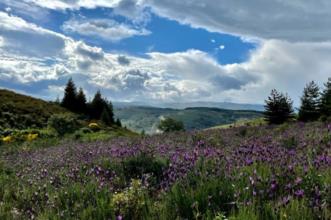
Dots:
pixel 164 51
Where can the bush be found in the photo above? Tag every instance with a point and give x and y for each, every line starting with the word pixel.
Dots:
pixel 138 166
pixel 170 124
pixel 131 203
pixel 63 123
pixel 94 127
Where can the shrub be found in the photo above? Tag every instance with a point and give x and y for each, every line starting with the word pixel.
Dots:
pixel 8 139
pixel 85 130
pixel 131 203
pixel 138 166
pixel 170 124
pixel 63 123
pixel 94 127
pixel 31 137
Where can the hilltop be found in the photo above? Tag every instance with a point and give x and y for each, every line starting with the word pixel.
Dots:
pixel 21 111
pixel 147 118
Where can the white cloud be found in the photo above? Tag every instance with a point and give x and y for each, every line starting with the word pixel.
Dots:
pixel 222 47
pixel 295 20
pixel 106 29
pixel 190 75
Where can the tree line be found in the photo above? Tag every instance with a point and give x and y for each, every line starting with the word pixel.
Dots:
pixel 97 109
pixel 315 104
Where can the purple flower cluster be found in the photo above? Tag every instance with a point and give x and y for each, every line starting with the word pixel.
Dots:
pixel 287 167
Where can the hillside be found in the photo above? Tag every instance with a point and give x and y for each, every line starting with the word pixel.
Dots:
pixel 147 118
pixel 21 111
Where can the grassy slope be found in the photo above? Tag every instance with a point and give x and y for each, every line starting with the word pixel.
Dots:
pixel 21 111
pixel 239 123
pixel 147 118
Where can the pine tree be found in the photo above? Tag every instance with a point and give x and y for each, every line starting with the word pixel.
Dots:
pixel 105 117
pixel 325 105
pixel 69 100
pixel 278 108
pixel 118 122
pixel 97 106
pixel 309 109
pixel 81 102
pixel 100 105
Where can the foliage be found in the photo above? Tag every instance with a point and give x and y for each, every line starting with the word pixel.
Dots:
pixel 213 174
pixel 278 108
pixel 94 126
pixel 63 123
pixel 309 109
pixel 325 105
pixel 21 112
pixel 170 124
pixel 132 202
pixel 118 122
pixel 81 102
pixel 102 109
pixel 69 100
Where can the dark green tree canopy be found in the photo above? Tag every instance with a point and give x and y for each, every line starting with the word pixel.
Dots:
pixel 325 105
pixel 278 108
pixel 102 109
pixel 170 124
pixel 69 100
pixel 81 102
pixel 310 102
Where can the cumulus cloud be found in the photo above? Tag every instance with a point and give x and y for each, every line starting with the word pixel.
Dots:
pixel 190 75
pixel 295 20
pixel 106 29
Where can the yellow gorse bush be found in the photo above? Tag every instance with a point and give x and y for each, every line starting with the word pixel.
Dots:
pixel 91 125
pixel 7 139
pixel 94 126
pixel 31 137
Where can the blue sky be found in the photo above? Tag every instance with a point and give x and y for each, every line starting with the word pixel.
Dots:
pixel 164 51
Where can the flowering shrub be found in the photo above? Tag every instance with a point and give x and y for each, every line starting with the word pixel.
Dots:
pixel 263 173
pixel 131 203
pixel 7 139
pixel 31 137
pixel 94 126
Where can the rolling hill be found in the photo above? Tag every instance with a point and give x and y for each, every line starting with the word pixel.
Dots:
pixel 20 111
pixel 147 118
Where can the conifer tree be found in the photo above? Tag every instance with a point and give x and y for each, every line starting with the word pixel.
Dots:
pixel 105 117
pixel 97 106
pixel 69 100
pixel 118 122
pixel 325 105
pixel 81 102
pixel 278 108
pixel 309 109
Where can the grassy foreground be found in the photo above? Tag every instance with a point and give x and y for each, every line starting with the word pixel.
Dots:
pixel 257 172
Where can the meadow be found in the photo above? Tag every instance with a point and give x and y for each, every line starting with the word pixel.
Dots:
pixel 245 172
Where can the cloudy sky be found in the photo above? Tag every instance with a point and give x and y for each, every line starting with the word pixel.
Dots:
pixel 165 50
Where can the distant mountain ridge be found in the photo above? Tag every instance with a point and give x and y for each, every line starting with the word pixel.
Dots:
pixel 143 118
pixel 184 105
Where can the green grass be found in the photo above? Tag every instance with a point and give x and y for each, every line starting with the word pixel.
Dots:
pixel 245 122
pixel 20 111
